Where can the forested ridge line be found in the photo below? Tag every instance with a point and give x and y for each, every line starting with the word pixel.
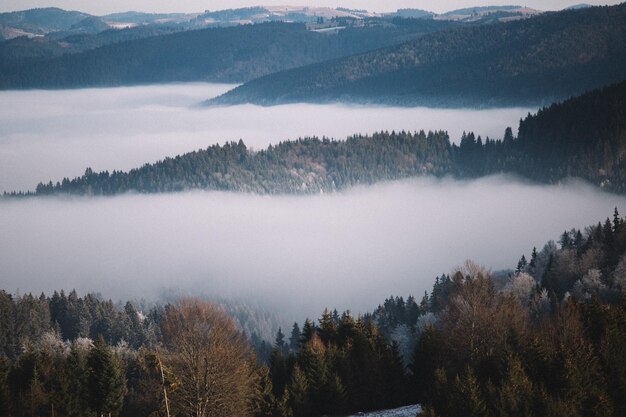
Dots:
pixel 155 55
pixel 583 137
pixel 527 62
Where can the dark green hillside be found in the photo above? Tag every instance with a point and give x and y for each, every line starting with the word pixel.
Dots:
pixel 306 166
pixel 22 52
pixel 532 61
pixel 232 54
pixel 583 136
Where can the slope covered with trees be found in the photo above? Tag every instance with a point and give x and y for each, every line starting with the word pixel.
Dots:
pixel 546 339
pixel 231 54
pixel 583 137
pixel 305 166
pixel 42 21
pixel 531 61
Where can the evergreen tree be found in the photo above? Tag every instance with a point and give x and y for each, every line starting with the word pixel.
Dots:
pixel 308 330
pixel 264 402
pixel 298 391
pixel 106 383
pixel 294 339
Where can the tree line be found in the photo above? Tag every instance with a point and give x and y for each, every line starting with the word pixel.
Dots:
pixel 525 62
pixel 166 53
pixel 543 339
pixel 582 137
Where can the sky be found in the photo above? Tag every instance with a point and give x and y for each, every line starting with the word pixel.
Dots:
pixel 99 7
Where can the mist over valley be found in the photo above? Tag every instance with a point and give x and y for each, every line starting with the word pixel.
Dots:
pixel 49 135
pixel 296 254
pixel 308 211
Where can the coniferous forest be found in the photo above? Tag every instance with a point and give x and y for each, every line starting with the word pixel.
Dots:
pixel 544 339
pixel 581 137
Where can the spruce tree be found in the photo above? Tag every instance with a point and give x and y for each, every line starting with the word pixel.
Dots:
pixel 298 391
pixel 294 339
pixel 106 382
pixel 264 402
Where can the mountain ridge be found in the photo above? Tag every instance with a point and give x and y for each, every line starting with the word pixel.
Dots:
pixel 531 61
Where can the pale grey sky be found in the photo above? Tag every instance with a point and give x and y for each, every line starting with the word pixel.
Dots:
pixel 100 7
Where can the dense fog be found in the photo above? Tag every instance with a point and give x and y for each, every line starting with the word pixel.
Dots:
pixel 48 135
pixel 295 254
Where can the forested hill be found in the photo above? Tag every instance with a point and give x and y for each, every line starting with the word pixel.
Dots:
pixel 304 166
pixel 582 137
pixel 548 339
pixel 231 54
pixel 531 61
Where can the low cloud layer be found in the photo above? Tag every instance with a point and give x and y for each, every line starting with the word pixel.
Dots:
pixel 48 135
pixel 295 254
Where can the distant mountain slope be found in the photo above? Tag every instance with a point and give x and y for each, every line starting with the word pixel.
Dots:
pixel 489 14
pixel 139 18
pixel 531 61
pixel 42 21
pixel 25 52
pixel 231 54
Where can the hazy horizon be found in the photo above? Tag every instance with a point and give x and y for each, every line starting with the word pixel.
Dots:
pixel 191 6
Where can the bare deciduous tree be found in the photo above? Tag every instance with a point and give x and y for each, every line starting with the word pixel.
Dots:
pixel 211 359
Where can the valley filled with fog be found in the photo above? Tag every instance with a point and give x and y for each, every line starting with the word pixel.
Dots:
pixel 48 135
pixel 347 250
pixel 363 244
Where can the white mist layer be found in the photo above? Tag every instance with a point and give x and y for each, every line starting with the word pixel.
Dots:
pixel 48 135
pixel 294 254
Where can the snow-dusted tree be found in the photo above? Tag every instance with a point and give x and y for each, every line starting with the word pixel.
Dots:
pixel 589 284
pixel 405 338
pixel 521 286
pixel 543 258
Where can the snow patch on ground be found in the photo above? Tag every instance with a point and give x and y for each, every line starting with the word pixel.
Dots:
pixel 408 411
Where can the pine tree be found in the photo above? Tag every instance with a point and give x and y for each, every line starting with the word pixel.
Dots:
pixel 264 402
pixel 106 383
pixel 279 372
pixel 327 328
pixel 76 371
pixel 5 394
pixel 521 265
pixel 298 391
pixel 308 330
pixel 294 339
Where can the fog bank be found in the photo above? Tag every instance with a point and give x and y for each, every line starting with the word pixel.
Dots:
pixel 296 254
pixel 48 135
